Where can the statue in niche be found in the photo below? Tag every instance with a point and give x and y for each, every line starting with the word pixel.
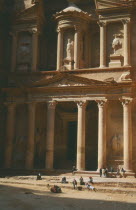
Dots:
pixel 70 50
pixel 116 44
pixel 116 145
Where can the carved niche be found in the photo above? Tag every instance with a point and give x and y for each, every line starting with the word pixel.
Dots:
pixel 24 49
pixel 116 146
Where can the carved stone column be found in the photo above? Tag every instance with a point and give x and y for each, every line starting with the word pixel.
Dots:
pixel 101 134
pixel 126 24
pixel 127 133
pixel 81 135
pixel 31 136
pixel 102 44
pixel 10 134
pixel 50 134
pixel 35 40
pixel 77 48
pixel 14 51
pixel 59 49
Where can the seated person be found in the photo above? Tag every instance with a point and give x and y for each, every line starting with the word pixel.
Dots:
pixel 74 169
pixel 64 180
pixel 39 177
pixel 90 187
pixel 56 189
pixel 90 179
pixel 81 181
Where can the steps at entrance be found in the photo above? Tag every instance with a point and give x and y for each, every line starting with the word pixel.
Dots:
pixel 106 185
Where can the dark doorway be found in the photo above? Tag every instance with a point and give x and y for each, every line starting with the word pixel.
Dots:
pixel 72 143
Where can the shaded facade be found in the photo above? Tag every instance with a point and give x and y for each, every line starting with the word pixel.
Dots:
pixel 68 84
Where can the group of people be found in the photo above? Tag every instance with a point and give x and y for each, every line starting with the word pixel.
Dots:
pixel 119 172
pixel 87 184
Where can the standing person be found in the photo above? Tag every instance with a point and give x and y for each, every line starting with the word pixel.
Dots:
pixel 106 172
pixel 74 184
pixel 100 172
pixel 81 181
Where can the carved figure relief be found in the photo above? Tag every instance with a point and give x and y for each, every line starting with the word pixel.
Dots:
pixel 116 44
pixel 117 145
pixel 70 50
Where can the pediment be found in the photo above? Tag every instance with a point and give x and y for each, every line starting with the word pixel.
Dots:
pixel 106 4
pixel 27 14
pixel 66 80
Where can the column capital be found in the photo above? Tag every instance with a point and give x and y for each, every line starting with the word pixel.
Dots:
pixel 10 105
pixel 82 104
pixel 101 23
pixel 125 21
pixel 77 28
pixel 126 101
pixel 101 103
pixel 32 104
pixel 59 29
pixel 51 104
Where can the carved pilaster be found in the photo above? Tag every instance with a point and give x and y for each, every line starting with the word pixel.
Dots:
pixel 59 48
pixel 101 134
pixel 11 110
pixel 126 23
pixel 127 133
pixel 81 135
pixel 102 44
pixel 50 134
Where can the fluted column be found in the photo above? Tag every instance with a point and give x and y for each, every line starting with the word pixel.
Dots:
pixel 50 134
pixel 126 24
pixel 127 134
pixel 77 48
pixel 35 40
pixel 101 134
pixel 10 134
pixel 14 51
pixel 102 44
pixel 31 136
pixel 59 49
pixel 81 135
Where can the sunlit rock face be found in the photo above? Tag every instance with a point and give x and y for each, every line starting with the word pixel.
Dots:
pixel 23 4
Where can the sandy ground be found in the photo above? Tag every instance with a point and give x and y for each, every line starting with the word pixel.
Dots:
pixel 23 196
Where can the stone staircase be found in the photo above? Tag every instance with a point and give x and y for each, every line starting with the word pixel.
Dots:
pixel 104 185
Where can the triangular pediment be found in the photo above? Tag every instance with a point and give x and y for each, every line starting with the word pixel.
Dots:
pixel 105 4
pixel 66 80
pixel 27 14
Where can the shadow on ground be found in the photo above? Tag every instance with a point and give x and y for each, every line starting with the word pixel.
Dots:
pixel 31 199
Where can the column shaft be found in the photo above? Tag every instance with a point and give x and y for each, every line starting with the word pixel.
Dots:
pixel 77 49
pixel 102 45
pixel 31 136
pixel 10 135
pixel 101 135
pixel 60 49
pixel 50 135
pixel 14 52
pixel 35 40
pixel 81 136
pixel 126 43
pixel 127 130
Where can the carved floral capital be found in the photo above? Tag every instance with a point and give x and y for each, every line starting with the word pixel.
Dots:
pixel 52 104
pixel 82 104
pixel 126 102
pixel 101 103
pixel 125 21
pixel 101 24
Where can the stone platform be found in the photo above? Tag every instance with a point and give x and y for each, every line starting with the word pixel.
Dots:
pixel 110 185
